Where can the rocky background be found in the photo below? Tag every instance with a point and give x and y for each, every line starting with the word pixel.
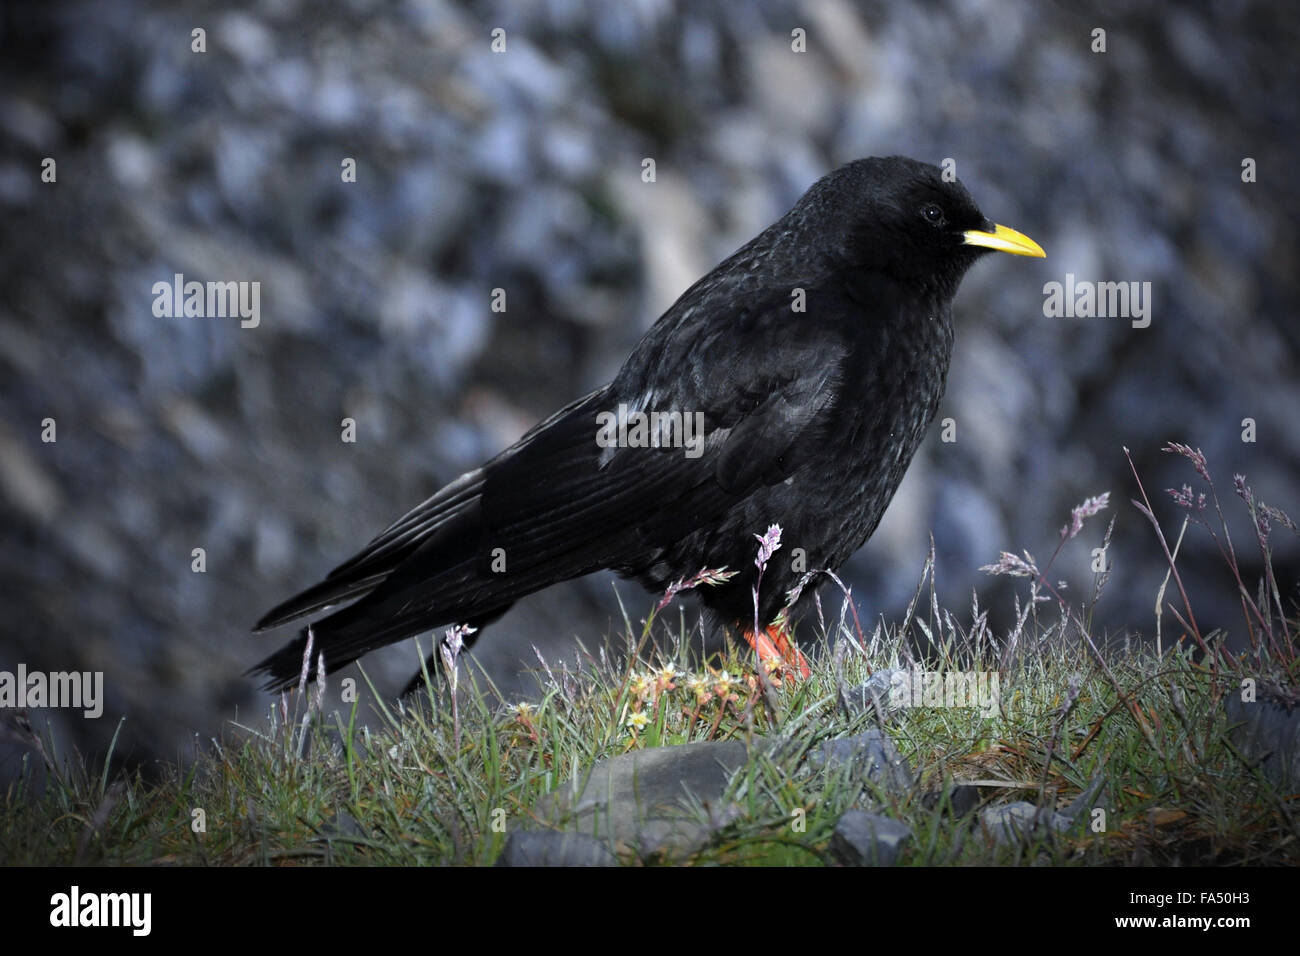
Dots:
pixel 521 170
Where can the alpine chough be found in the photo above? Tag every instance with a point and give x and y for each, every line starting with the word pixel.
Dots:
pixel 790 386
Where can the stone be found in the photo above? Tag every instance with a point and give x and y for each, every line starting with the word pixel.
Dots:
pixel 659 800
pixel 1267 730
pixel 963 798
pixel 871 757
pixel 554 848
pixel 873 696
pixel 1022 821
pixel 868 839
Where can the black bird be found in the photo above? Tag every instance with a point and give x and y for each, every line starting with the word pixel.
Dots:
pixel 814 358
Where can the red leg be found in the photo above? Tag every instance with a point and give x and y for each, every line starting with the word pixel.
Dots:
pixel 775 645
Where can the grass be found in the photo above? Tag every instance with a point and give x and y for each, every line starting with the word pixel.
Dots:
pixel 433 784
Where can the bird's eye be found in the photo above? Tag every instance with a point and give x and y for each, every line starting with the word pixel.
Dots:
pixel 933 214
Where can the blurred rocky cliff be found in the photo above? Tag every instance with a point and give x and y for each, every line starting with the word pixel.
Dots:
pixel 521 170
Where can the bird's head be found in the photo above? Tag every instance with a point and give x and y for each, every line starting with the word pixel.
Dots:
pixel 902 218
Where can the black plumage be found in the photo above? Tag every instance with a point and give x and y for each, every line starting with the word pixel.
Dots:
pixel 810 419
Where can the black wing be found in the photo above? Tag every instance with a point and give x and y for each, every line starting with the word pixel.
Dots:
pixel 557 505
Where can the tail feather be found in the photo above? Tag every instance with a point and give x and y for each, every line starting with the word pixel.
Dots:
pixel 283 669
pixel 340 646
pixel 316 598
pixel 555 510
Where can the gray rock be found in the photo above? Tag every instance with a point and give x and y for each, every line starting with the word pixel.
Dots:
pixel 963 798
pixel 1011 822
pixel 873 696
pixel 342 825
pixel 660 800
pixel 868 839
pixel 1084 801
pixel 871 757
pixel 553 848
pixel 1268 730
pixel 1022 821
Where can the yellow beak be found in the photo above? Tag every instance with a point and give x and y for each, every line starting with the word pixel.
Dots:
pixel 1005 240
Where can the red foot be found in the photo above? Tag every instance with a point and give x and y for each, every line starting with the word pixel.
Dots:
pixel 775 645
